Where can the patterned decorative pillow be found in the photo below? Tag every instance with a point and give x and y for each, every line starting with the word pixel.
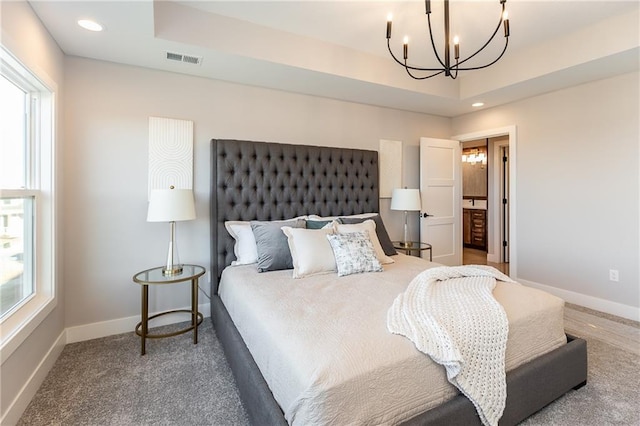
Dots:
pixel 368 226
pixel 354 253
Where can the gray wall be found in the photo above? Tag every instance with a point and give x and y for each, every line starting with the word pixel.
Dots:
pixel 107 109
pixel 28 40
pixel 577 189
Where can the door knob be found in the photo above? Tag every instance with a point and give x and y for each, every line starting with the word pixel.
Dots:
pixel 426 215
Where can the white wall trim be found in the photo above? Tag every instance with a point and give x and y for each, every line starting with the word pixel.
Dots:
pixel 96 330
pixel 602 305
pixel 22 333
pixel 22 400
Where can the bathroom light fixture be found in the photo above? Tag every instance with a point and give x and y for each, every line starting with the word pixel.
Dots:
pixel 474 156
pixel 446 67
pixel 90 25
pixel 477 104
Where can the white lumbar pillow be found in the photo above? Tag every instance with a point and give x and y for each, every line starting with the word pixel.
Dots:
pixel 310 250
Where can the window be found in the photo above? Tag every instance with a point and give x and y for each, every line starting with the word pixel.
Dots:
pixel 27 278
pixel 16 224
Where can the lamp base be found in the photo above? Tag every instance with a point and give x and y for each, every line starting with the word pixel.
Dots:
pixel 174 270
pixel 173 265
pixel 406 229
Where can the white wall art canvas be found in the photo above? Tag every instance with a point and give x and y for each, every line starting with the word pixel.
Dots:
pixel 170 153
pixel 390 160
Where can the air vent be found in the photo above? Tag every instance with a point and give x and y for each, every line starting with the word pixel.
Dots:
pixel 189 59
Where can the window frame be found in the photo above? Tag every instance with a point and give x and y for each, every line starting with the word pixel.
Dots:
pixel 22 320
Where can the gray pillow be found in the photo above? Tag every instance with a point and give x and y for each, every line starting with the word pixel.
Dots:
pixel 381 231
pixel 272 245
pixel 317 224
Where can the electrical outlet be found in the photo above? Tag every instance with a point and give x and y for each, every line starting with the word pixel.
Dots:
pixel 613 275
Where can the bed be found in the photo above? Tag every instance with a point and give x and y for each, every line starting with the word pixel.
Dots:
pixel 269 181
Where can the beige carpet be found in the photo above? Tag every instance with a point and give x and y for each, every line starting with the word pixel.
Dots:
pixel 106 382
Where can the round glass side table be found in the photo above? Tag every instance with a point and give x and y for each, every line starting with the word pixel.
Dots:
pixel 413 246
pixel 155 276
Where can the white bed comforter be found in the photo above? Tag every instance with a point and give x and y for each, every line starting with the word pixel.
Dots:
pixel 450 314
pixel 323 347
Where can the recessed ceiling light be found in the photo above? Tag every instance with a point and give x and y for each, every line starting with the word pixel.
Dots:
pixel 90 25
pixel 477 104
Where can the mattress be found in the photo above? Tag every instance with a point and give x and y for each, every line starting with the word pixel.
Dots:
pixel 322 344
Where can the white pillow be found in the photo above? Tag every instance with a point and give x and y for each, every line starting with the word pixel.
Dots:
pixel 354 253
pixel 366 226
pixel 310 250
pixel 245 248
pixel 361 215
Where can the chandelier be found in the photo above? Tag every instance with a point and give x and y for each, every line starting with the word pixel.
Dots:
pixel 446 67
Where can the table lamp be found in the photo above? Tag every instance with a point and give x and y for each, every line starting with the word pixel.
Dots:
pixel 408 200
pixel 171 205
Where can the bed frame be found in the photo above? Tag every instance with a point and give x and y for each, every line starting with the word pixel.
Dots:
pixel 271 181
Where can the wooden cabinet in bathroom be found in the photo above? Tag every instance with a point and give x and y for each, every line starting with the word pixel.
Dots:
pixel 466 227
pixel 474 228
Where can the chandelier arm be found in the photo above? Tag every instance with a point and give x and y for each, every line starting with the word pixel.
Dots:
pixel 408 69
pixel 433 43
pixel 392 55
pixel 454 76
pixel 404 64
pixel 491 63
pixel 488 41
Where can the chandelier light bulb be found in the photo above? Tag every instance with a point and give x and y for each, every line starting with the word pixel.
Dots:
pixel 505 21
pixel 405 47
pixel 456 47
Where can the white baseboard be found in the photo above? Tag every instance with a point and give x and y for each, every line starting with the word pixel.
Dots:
pixel 123 325
pixel 613 308
pixel 22 400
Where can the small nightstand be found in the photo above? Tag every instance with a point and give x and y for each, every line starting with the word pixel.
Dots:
pixel 413 246
pixel 155 277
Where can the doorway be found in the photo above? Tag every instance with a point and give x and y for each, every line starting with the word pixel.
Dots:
pixel 477 205
pixel 472 256
pixel 500 250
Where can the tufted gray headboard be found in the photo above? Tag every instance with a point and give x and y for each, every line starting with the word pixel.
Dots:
pixel 272 181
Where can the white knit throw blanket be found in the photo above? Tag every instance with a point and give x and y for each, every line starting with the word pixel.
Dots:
pixel 451 315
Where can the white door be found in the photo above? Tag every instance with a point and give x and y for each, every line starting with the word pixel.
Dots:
pixel 440 193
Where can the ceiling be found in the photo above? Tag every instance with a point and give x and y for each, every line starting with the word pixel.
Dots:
pixel 337 49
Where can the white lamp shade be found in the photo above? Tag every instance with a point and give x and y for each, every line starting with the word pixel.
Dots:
pixel 171 205
pixel 406 199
